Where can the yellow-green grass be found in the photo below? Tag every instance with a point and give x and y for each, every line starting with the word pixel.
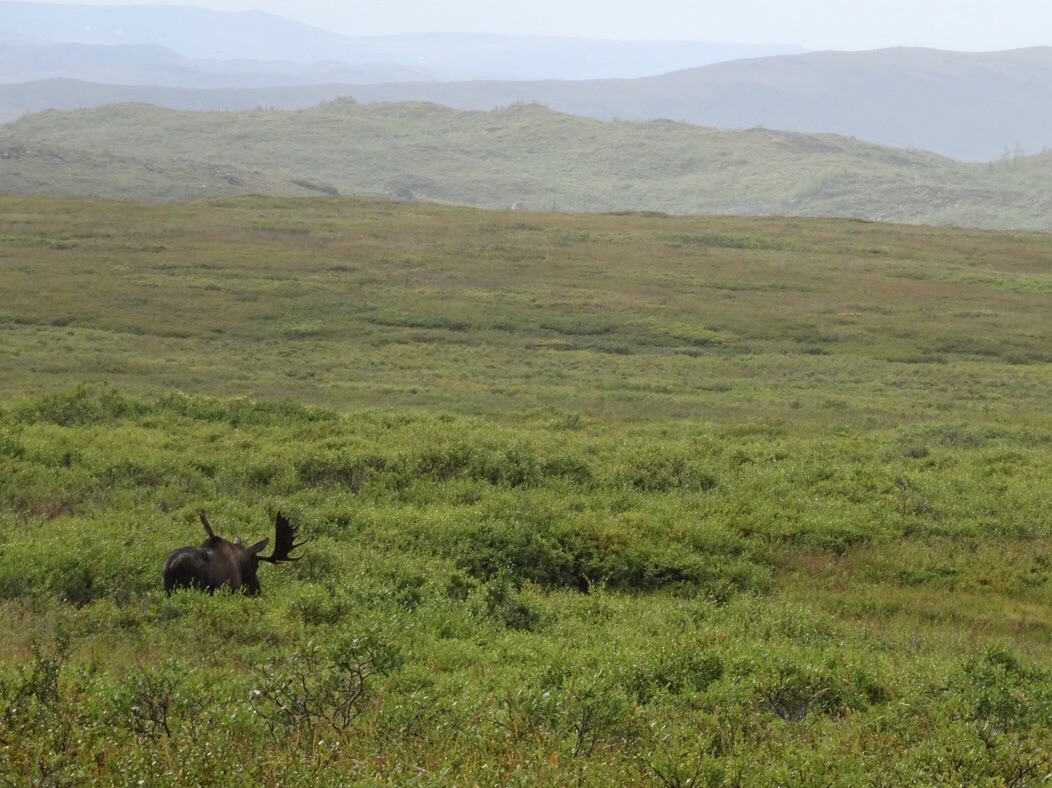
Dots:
pixel 355 303
pixel 607 499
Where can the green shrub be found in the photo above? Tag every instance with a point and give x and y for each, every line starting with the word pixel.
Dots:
pixel 504 604
pixel 672 671
pixel 323 690
pixel 11 447
pixel 1006 692
pixel 656 469
pixel 80 406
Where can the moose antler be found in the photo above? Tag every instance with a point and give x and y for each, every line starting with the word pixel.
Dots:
pixel 284 541
pixel 204 522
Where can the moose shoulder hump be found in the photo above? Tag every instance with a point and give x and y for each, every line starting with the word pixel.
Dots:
pixel 219 563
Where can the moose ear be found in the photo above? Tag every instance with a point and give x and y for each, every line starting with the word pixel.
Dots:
pixel 237 541
pixel 258 546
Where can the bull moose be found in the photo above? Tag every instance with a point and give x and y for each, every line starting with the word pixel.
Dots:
pixel 218 563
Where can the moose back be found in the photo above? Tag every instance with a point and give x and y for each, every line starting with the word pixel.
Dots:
pixel 218 562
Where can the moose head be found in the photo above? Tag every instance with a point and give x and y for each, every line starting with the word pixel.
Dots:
pixel 217 562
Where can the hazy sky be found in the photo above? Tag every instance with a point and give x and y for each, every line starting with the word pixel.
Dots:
pixel 818 24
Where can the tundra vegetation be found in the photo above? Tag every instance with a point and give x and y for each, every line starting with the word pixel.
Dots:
pixel 623 500
pixel 523 155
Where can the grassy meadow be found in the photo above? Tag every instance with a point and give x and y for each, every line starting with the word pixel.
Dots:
pixel 621 499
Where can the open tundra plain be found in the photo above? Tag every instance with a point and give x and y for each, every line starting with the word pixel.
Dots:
pixel 613 499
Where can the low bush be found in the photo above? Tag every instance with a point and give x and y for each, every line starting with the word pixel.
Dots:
pixel 487 601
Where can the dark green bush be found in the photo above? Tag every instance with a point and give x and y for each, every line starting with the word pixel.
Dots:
pixel 343 470
pixel 11 447
pixel 673 670
pixel 1005 691
pixel 792 686
pixel 242 411
pixel 506 605
pixel 80 406
pixel 514 465
pixel 657 469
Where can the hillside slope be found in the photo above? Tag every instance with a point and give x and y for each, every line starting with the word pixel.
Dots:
pixel 965 105
pixel 522 156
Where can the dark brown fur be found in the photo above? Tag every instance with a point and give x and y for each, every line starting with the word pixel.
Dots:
pixel 218 563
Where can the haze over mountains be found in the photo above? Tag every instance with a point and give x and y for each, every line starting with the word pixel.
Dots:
pixel 969 106
pixel 198 34
pixel 961 138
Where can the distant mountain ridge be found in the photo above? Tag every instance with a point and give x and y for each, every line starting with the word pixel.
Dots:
pixel 155 65
pixel 968 106
pixel 192 32
pixel 201 34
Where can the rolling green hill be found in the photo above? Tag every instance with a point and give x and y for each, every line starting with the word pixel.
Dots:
pixel 522 156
